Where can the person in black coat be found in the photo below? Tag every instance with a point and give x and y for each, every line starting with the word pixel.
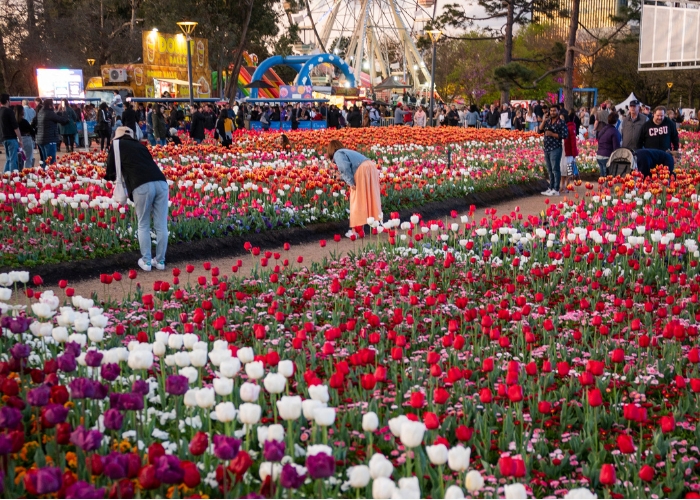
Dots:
pixel 220 130
pixel 355 117
pixel 129 117
pixel 333 117
pixel 197 124
pixel 173 120
pixel 103 127
pixel 47 130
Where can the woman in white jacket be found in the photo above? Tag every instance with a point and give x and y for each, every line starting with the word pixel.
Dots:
pixel 419 118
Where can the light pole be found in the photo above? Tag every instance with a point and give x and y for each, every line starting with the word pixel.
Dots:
pixel 434 37
pixel 187 28
pixel 668 100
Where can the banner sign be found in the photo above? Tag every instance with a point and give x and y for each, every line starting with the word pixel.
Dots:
pixel 296 92
pixel 168 49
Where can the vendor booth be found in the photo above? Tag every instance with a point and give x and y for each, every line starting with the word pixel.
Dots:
pixel 286 125
pixel 170 87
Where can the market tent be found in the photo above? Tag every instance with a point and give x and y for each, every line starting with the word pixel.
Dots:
pixel 627 101
pixel 392 83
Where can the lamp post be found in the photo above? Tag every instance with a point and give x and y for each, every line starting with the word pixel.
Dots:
pixel 187 28
pixel 434 37
pixel 668 100
pixel 91 63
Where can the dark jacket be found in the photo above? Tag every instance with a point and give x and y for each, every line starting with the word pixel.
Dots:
pixel 661 137
pixel 493 117
pixel 631 130
pixel 47 126
pixel 129 119
pixel 138 167
pixel 173 121
pixel 209 121
pixel 355 119
pixel 69 128
pixel 608 140
pixel 651 158
pixel 197 126
pixel 103 124
pixel 453 117
pixel 160 131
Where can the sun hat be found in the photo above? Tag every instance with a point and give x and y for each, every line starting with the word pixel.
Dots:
pixel 122 131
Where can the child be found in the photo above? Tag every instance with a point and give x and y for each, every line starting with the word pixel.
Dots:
pixel 569 168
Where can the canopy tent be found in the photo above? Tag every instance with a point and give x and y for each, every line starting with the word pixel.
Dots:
pixel 627 101
pixel 392 83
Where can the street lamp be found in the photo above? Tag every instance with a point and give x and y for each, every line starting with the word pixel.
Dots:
pixel 668 100
pixel 187 28
pixel 91 63
pixel 434 37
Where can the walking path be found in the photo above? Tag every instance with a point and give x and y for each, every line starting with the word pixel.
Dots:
pixel 312 252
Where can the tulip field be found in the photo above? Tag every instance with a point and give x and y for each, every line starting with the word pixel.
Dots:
pixel 506 357
pixel 67 214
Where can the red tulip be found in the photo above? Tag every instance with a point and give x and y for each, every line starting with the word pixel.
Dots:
pixel 440 396
pixel 515 393
pixel 668 424
pixel 199 443
pixel 607 474
pixel 544 407
pixel 133 274
pixel 618 356
pixel 625 443
pixel 147 478
pixel 431 420
pixel 485 395
pixel 417 400
pixel 368 381
pixel 595 398
pixel 646 473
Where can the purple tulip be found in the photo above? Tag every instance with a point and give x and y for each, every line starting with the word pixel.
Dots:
pixel 131 402
pixel 5 444
pixel 290 477
pixel 86 440
pixel 113 419
pixel 320 466
pixel 168 470
pixel 67 363
pixel 93 358
pixel 226 448
pixel 110 371
pixel 82 388
pixel 55 414
pixel 140 387
pixel 39 396
pixel 101 391
pixel 10 417
pixel 46 480
pixel 16 325
pixel 116 465
pixel 254 495
pixel 72 348
pixel 81 489
pixel 273 451
pixel 20 351
pixel 176 385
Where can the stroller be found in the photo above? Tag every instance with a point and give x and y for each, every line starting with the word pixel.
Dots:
pixel 621 162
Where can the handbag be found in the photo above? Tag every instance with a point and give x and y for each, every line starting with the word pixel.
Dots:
pixel 120 194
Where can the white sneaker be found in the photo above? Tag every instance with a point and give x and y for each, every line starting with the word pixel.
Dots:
pixel 144 266
pixel 554 193
pixel 158 265
pixel 547 193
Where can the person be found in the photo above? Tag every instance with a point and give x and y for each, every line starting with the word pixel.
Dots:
pixel 375 118
pixel 148 189
pixel 419 119
pixel 568 165
pixel 632 126
pixel 601 118
pixel 220 130
pixel 29 112
pixel 117 105
pixel 9 134
pixel 173 137
pixel 648 159
pixel 492 117
pixel 659 132
pixel 585 117
pixel 27 143
pixel 398 115
pixel 505 118
pixel 608 141
pixel 283 142
pixel 518 121
pixel 471 118
pixel 408 116
pixel 228 125
pixel 333 117
pixel 554 130
pixel 453 116
pixel 47 130
pixel 197 124
pixel 530 119
pixel 129 117
pixel 69 129
pixel 103 127
pixel 362 176
pixel 209 118
pixel 160 129
pixel 355 117
pixel 539 109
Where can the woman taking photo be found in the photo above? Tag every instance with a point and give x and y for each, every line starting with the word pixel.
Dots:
pixel 361 174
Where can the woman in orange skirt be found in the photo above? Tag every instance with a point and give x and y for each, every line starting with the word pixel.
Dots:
pixel 361 174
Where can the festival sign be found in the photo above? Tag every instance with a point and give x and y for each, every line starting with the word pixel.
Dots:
pixel 296 92
pixel 168 49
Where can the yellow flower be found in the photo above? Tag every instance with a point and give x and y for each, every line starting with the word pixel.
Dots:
pixel 124 446
pixel 71 460
pixel 19 474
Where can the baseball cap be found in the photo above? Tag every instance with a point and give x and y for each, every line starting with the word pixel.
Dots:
pixel 634 103
pixel 122 131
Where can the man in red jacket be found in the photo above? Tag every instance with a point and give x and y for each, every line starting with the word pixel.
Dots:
pixel 568 163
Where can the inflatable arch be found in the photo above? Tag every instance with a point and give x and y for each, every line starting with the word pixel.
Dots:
pixel 303 65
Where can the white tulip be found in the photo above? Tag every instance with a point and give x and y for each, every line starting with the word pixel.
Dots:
pixel 285 368
pixel 66 318
pixel 41 329
pixel 309 406
pixel 395 424
pixel 191 398
pixel 474 481
pixel 437 454
pixel 412 434
pixel 99 321
pixel 225 412
pixel 380 466
pixel 580 494
pixel 223 386
pixel 383 488
pixel 324 417
pixel 250 392
pixel 78 338
pixel 245 354
pixel 140 360
pixel 358 476
pixel 198 358
pixel 182 359
pixel 205 398
pixel 249 413
pixel 218 356
pixel 458 458
pixel 230 367
pixel 158 348
pixel 274 383
pixel 162 337
pixel 81 323
pixel 95 334
pixel 189 340
pixel 515 491
pixel 6 294
pixel 175 341
pixel 289 407
pixel 370 422
pixel 267 468
pixel 42 310
pixel 454 492
pixel 254 370
pixel 315 449
pixel 408 488
pixel 274 432
pixel 191 373
pixel 319 393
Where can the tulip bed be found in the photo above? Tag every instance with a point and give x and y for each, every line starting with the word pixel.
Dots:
pixel 508 356
pixel 66 214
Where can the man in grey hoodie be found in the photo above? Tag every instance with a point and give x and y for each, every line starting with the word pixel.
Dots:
pixel 632 127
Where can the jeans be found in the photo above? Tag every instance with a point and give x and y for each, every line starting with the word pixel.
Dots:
pixel 28 146
pixel 68 141
pixel 553 159
pixel 603 166
pixel 48 150
pixel 11 151
pixel 531 126
pixel 160 141
pixel 151 200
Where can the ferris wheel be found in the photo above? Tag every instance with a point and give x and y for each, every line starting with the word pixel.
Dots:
pixel 375 37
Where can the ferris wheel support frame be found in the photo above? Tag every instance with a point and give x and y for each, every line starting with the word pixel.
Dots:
pixel 328 25
pixel 409 47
